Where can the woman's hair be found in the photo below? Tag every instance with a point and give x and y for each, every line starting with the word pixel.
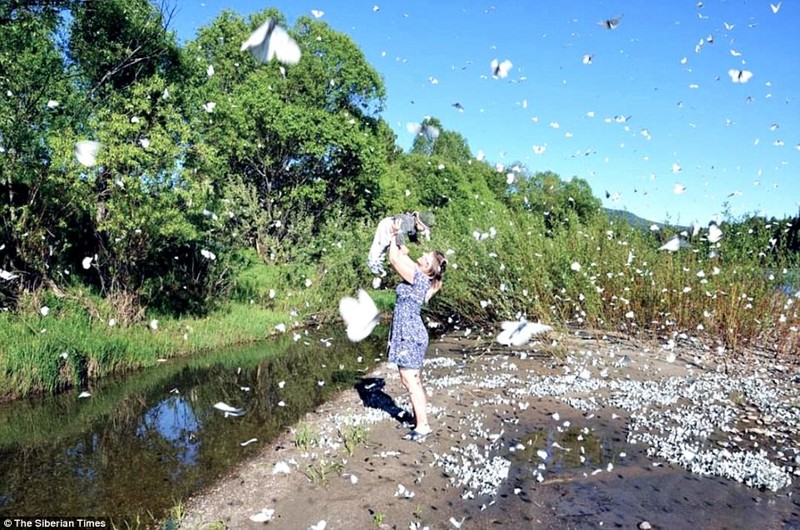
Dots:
pixel 438 267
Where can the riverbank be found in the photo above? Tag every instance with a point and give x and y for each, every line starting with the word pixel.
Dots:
pixel 580 430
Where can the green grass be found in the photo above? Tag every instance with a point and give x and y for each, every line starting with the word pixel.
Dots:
pixel 352 437
pixel 321 472
pixel 67 348
pixel 305 437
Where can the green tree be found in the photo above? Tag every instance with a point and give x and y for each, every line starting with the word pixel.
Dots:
pixel 34 91
pixel 114 43
pixel 545 194
pixel 434 140
pixel 295 144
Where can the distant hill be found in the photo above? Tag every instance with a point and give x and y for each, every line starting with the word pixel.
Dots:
pixel 634 220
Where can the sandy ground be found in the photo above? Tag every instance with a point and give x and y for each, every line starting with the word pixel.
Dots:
pixel 561 464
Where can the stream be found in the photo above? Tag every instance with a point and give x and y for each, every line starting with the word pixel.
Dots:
pixel 140 444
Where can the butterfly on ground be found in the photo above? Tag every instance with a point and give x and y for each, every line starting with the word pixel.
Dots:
pixel 360 315
pixel 271 40
pixel 86 152
pixel 740 76
pixel 517 333
pixel 500 69
pixel 423 129
pixel 611 23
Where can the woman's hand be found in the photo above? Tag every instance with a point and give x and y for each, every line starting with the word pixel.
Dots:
pixel 396 227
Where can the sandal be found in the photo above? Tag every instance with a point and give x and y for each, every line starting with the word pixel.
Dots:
pixel 416 436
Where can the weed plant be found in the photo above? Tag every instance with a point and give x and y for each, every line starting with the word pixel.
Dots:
pixel 352 437
pixel 305 437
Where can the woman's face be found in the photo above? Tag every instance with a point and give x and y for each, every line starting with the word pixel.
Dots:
pixel 425 262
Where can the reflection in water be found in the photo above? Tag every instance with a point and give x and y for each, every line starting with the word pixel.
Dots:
pixel 138 446
pixel 174 421
pixel 569 448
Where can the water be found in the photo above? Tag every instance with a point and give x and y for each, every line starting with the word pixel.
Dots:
pixel 138 446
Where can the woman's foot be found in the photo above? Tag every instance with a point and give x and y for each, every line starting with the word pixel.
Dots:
pixel 419 433
pixel 423 429
pixel 416 436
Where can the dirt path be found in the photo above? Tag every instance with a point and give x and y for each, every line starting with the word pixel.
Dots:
pixel 533 440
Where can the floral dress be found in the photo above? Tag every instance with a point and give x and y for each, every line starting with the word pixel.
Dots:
pixel 409 338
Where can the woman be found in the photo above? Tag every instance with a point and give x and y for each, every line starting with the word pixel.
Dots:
pixel 409 338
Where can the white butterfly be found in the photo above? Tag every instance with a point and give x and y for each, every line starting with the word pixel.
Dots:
pixel 587 59
pixel 423 129
pixel 775 7
pixel 520 332
pixel 317 13
pixel 360 315
pixel 714 233
pixel 208 254
pixel 674 244
pixel 501 69
pixel 7 276
pixel 228 410
pixel 263 516
pixel 86 152
pixel 678 188
pixel 740 76
pixel 87 262
pixel 271 40
pixel 281 467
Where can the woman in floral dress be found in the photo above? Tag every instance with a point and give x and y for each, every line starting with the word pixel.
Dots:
pixel 409 337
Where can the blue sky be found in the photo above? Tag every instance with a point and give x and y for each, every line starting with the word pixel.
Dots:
pixel 654 119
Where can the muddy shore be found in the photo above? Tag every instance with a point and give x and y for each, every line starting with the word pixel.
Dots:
pixel 564 433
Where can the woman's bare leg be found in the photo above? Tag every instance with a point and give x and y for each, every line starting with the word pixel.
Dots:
pixel 419 401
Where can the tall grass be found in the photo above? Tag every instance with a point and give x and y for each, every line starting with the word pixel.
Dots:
pixel 68 347
pixel 612 276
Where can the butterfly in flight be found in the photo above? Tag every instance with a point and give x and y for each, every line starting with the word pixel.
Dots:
pixel 740 76
pixel 360 315
pixel 674 244
pixel 271 40
pixel 714 233
pixel 611 23
pixel 520 332
pixel 423 129
pixel 86 152
pixel 500 69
